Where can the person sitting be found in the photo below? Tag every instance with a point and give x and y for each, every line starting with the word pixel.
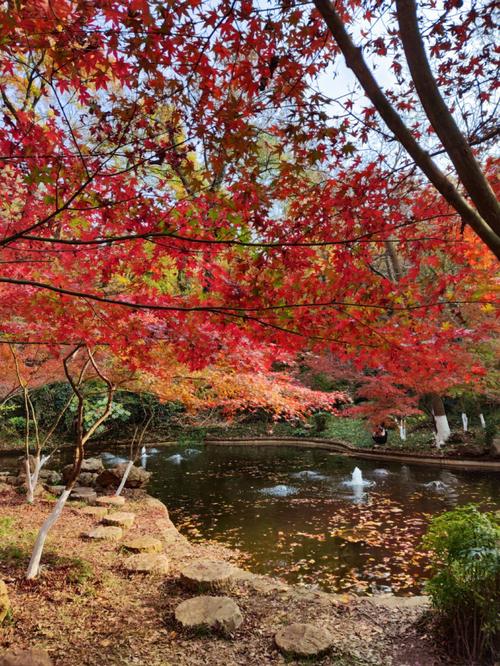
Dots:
pixel 379 435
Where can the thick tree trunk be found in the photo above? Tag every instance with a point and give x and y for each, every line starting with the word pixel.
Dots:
pixel 440 419
pixel 402 429
pixel 483 422
pixel 459 151
pixel 465 421
pixel 355 61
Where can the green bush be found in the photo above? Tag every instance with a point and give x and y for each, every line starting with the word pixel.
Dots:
pixel 465 588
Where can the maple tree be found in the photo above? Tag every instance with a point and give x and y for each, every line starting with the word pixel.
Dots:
pixel 175 177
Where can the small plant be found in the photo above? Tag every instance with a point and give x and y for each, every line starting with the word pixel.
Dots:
pixel 465 588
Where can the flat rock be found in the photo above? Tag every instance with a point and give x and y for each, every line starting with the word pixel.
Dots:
pixel 119 519
pixel 55 490
pixel 220 613
pixel 107 532
pixel 83 494
pixel 143 544
pixel 155 563
pixel 4 601
pixel 154 503
pixel 32 657
pixel 110 500
pixel 303 640
pixel 214 575
pixel 95 511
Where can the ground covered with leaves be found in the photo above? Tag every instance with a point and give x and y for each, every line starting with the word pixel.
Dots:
pixel 86 609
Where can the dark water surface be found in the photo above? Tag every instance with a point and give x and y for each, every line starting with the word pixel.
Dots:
pixel 291 512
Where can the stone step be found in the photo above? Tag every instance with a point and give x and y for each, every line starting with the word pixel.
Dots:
pixel 143 544
pixel 95 511
pixel 107 532
pixel 208 575
pixel 119 519
pixel 110 500
pixel 154 563
pixel 83 494
pixel 219 613
pixel 303 640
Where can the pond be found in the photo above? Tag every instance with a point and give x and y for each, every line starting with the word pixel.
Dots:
pixel 294 512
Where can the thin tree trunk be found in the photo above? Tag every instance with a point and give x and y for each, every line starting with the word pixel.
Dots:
pixel 124 478
pixel 34 565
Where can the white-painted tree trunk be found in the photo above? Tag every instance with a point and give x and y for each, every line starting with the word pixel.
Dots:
pixel 402 429
pixel 442 429
pixel 34 565
pixel 30 491
pixel 124 478
pixel 465 421
pixel 483 422
pixel 32 479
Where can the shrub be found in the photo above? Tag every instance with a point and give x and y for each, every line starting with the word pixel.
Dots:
pixel 465 588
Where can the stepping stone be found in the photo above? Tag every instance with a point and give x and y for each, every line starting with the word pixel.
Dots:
pixel 155 563
pixel 154 503
pixel 112 500
pixel 220 613
pixel 55 490
pixel 4 601
pixel 95 511
pixel 208 575
pixel 32 657
pixel 143 544
pixel 119 519
pixel 83 494
pixel 303 640
pixel 105 532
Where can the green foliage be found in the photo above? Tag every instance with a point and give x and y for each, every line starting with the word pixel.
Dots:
pixel 465 588
pixel 490 433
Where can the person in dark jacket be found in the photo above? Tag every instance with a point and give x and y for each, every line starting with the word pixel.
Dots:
pixel 379 435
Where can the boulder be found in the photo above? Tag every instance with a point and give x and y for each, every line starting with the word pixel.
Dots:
pixel 143 544
pixel 301 640
pixel 21 466
pixel 119 519
pixel 208 575
pixel 111 500
pixel 89 466
pixel 220 613
pixel 4 487
pixel 106 532
pixel 495 448
pixel 32 657
pixel 4 601
pixel 50 476
pixel 137 478
pixel 154 563
pixel 93 465
pixel 95 511
pixel 88 478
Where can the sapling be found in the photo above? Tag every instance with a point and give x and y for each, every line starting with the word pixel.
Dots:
pixel 81 438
